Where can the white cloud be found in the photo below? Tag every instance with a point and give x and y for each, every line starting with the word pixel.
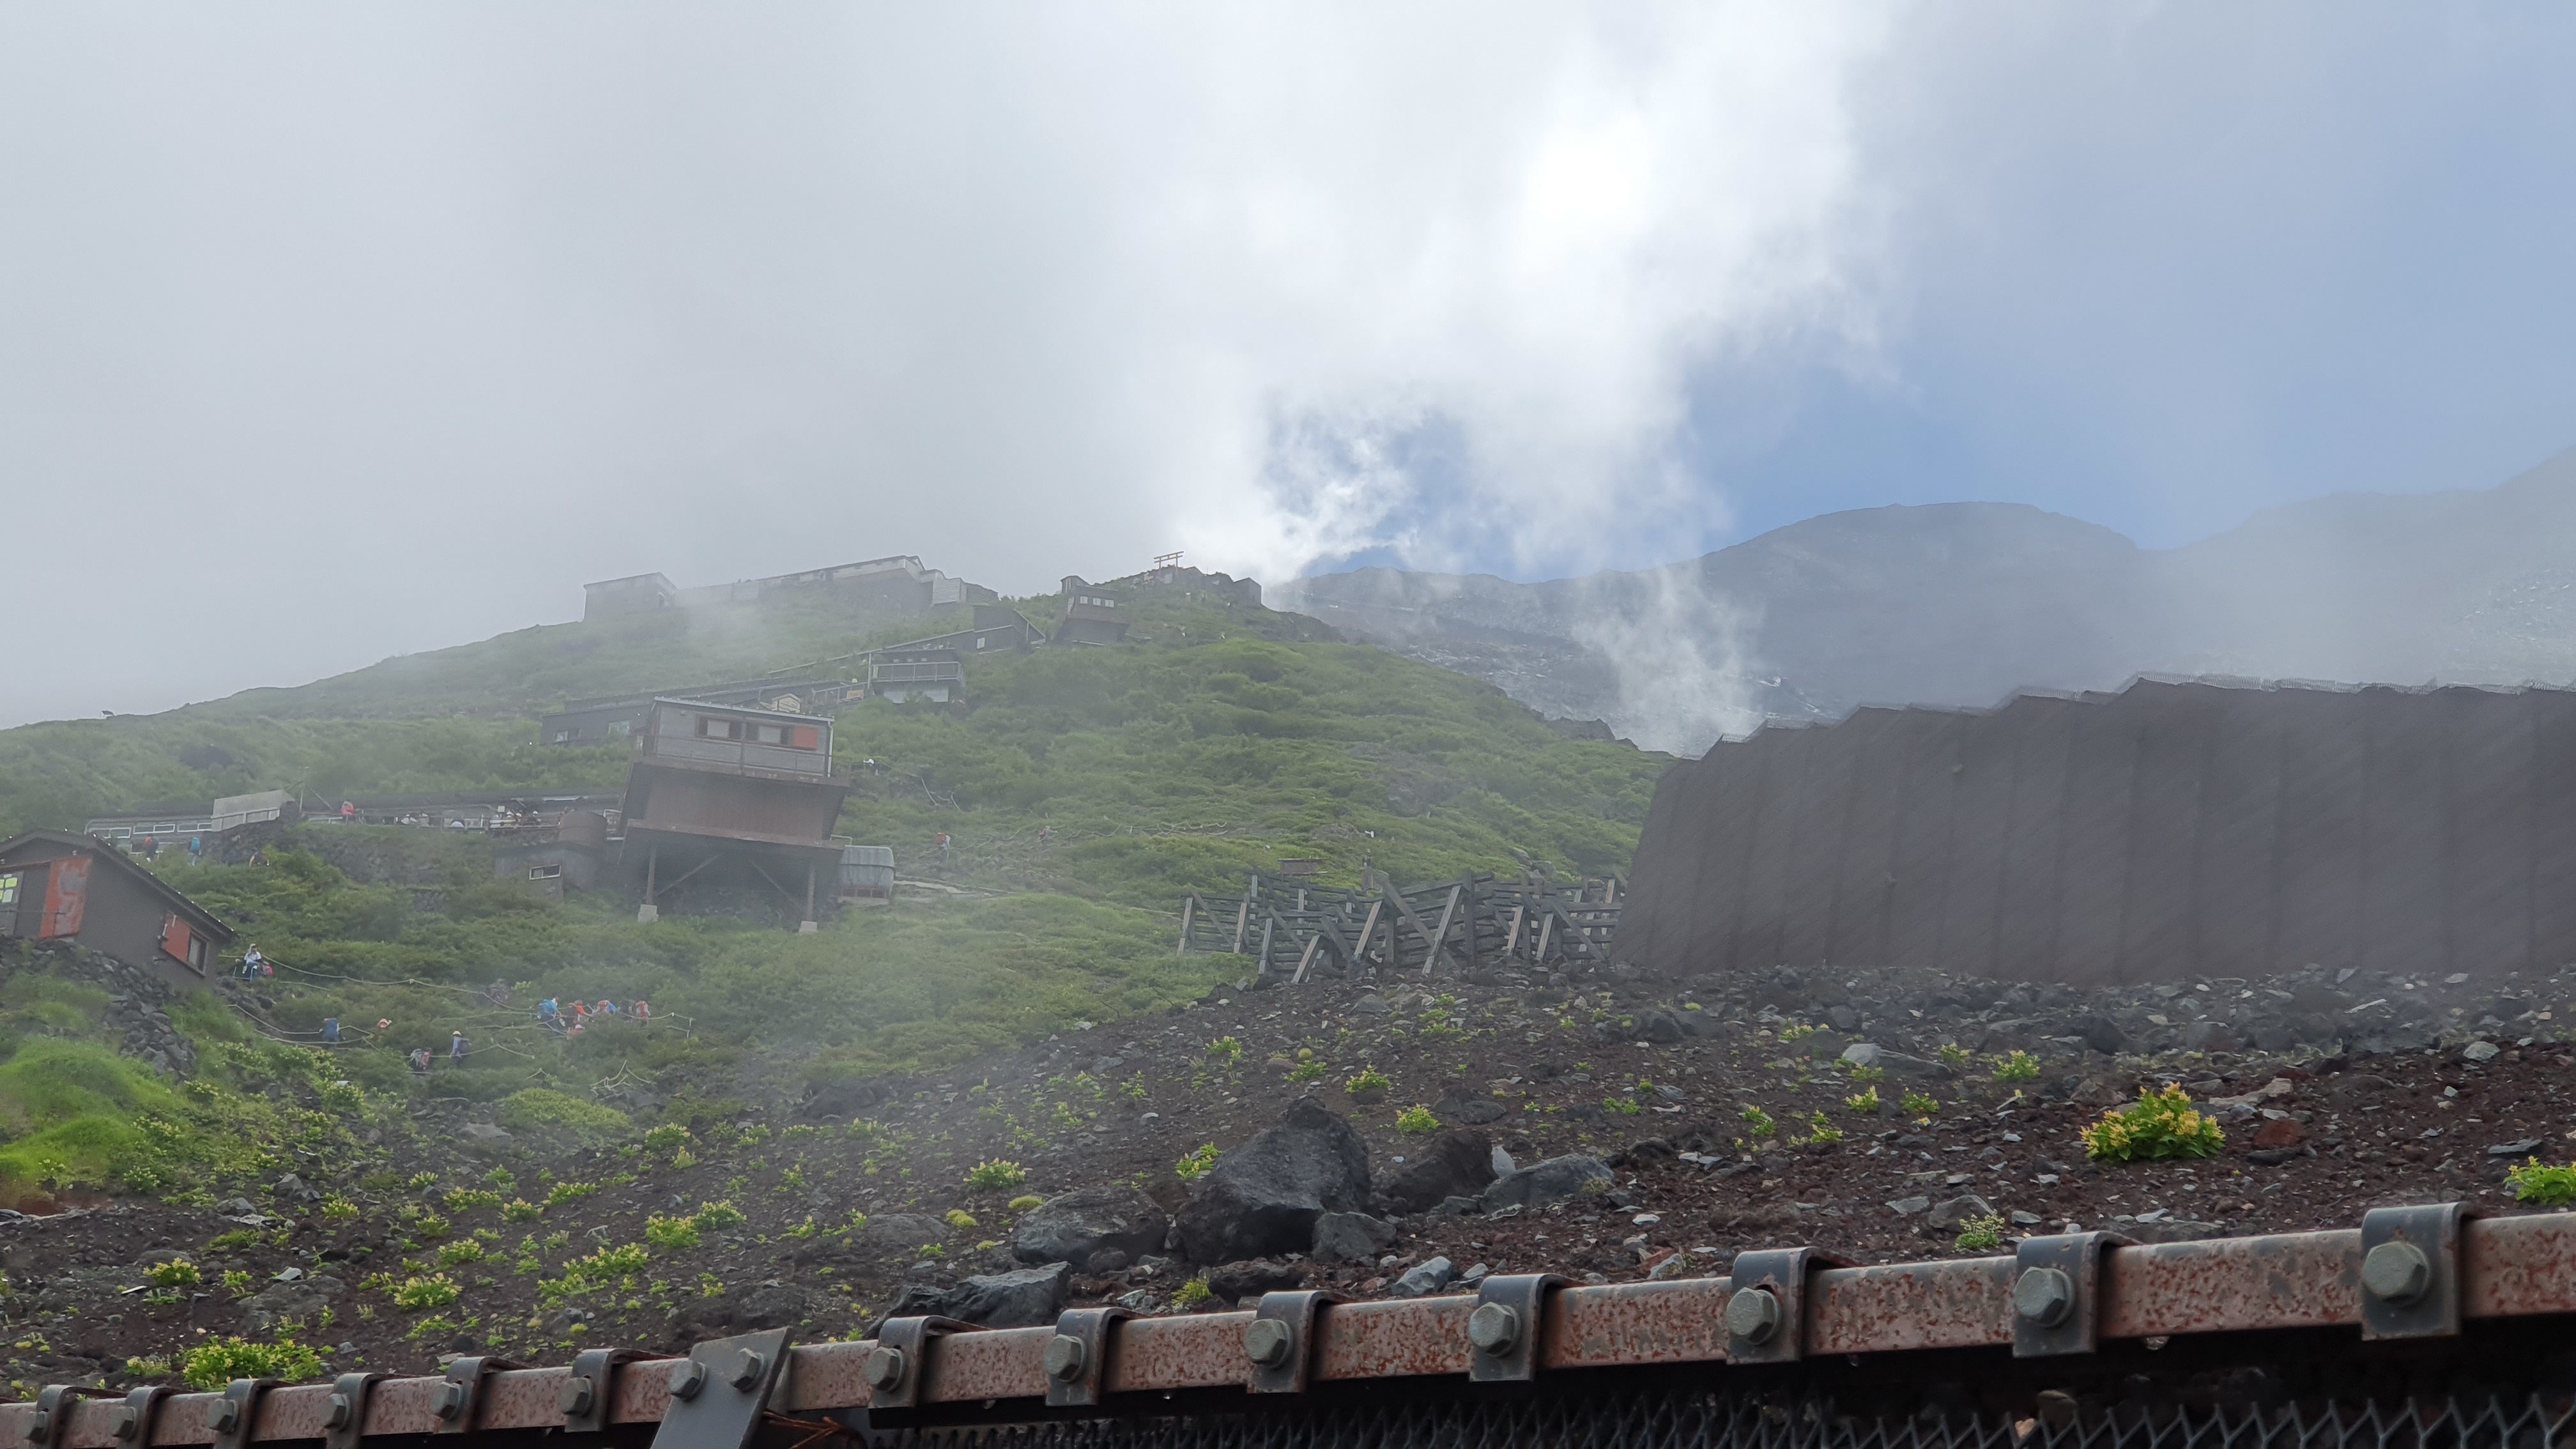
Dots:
pixel 387 327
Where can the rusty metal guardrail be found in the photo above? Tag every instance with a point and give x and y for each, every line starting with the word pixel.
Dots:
pixel 2423 1275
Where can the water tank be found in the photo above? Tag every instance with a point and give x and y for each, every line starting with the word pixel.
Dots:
pixel 867 870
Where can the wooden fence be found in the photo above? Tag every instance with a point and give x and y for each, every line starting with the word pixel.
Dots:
pixel 1294 929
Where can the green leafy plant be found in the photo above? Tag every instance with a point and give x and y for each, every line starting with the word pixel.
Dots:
pixel 1308 1071
pixel 430 1228
pixel 218 1361
pixel 1865 1102
pixel 2016 1066
pixel 176 1273
pixel 715 1217
pixel 1192 1293
pixel 338 1209
pixel 1225 1051
pixel 1026 1202
pixel 1918 1104
pixel 1861 1073
pixel 467 1199
pixel 1820 1129
pixel 996 1175
pixel 959 1219
pixel 462 1252
pixel 1367 1084
pixel 668 1138
pixel 568 1191
pixel 1623 1106
pixel 2535 1182
pixel 2158 1125
pixel 237 1283
pixel 424 1292
pixel 1194 1164
pixel 1953 1056
pixel 671 1234
pixel 1416 1119
pixel 1986 1230
pixel 1757 1123
pixel 520 1210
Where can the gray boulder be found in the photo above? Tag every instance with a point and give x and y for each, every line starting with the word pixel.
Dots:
pixel 1026 1298
pixel 1422 1279
pixel 1235 1282
pixel 899 1234
pixel 1074 1227
pixel 1452 1164
pixel 1262 1198
pixel 1542 1183
pixel 1351 1237
pixel 301 1300
pixel 1953 1214
pixel 770 1304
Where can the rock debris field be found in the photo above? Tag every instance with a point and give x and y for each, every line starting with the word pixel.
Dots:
pixel 1401 1140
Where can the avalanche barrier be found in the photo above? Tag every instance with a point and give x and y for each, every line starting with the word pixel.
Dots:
pixel 2425 1328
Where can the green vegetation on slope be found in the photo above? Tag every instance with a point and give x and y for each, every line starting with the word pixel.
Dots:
pixel 1215 741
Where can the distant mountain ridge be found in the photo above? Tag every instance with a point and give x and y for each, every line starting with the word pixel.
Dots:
pixel 1964 603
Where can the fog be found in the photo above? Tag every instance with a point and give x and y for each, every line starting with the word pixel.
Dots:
pixel 334 333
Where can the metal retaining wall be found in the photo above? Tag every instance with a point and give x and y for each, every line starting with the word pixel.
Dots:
pixel 2424 1329
pixel 2172 829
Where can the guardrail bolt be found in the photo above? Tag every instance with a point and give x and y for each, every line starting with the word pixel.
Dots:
pixel 39 1424
pixel 1268 1342
pixel 2397 1272
pixel 749 1368
pixel 2045 1296
pixel 1494 1329
pixel 223 1416
pixel 688 1379
pixel 885 1370
pixel 576 1397
pixel 1064 1358
pixel 338 1417
pixel 127 1421
pixel 1753 1315
pixel 451 1401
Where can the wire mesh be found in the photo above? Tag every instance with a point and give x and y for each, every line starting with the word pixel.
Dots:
pixel 1687 1419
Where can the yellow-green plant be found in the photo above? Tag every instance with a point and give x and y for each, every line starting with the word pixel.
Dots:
pixel 218 1361
pixel 996 1175
pixel 1416 1119
pixel 2536 1182
pixel 671 1234
pixel 1919 1104
pixel 427 1291
pixel 2158 1125
pixel 1192 1293
pixel 1986 1230
pixel 1367 1082
pixel 1195 1163
pixel 1757 1123
pixel 1865 1102
pixel 176 1273
pixel 2016 1066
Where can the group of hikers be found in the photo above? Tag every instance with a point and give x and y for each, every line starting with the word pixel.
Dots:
pixel 552 1016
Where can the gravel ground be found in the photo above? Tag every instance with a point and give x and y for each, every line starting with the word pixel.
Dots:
pixel 2335 1095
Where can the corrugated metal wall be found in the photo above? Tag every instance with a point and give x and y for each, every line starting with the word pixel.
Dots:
pixel 2173 829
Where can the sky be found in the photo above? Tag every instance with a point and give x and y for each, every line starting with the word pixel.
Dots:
pixel 329 333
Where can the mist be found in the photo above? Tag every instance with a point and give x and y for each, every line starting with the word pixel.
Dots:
pixel 333 335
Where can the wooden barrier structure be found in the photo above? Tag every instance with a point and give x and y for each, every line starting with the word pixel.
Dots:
pixel 1294 928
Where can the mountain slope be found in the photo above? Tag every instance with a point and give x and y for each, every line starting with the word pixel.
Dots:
pixel 1961 604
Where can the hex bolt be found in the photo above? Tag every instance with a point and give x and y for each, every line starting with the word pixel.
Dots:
pixel 39 1424
pixel 1268 1342
pixel 1753 1315
pixel 1494 1329
pixel 885 1370
pixel 451 1401
pixel 688 1379
pixel 2397 1272
pixel 749 1368
pixel 1065 1356
pixel 576 1397
pixel 2045 1296
pixel 223 1416
pixel 338 1416
pixel 127 1421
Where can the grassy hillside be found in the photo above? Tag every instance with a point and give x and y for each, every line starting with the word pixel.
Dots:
pixel 1215 741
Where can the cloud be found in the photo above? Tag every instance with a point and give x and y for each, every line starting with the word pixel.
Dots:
pixel 330 335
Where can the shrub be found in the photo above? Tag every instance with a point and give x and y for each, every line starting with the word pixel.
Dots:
pixel 715 1217
pixel 520 1210
pixel 669 1137
pixel 458 1254
pixel 466 1199
pixel 1864 1074
pixel 1195 1163
pixel 1026 1202
pixel 1820 1129
pixel 1757 1122
pixel 564 1192
pixel 2535 1182
pixel 2158 1125
pixel 671 1234
pixel 1192 1294
pixel 959 1219
pixel 1983 1231
pixel 237 1283
pixel 1865 1102
pixel 430 1228
pixel 1308 1071
pixel 1623 1106
pixel 1953 1056
pixel 235 1241
pixel 337 1209
pixel 219 1361
pixel 427 1291
pixel 1919 1104
pixel 2017 1066
pixel 176 1273
pixel 995 1175
pixel 1416 1119
pixel 541 1109
pixel 1225 1050
pixel 1367 1083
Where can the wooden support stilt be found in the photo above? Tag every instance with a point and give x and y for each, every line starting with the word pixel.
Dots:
pixel 1242 920
pixel 1512 938
pixel 1546 928
pixel 1440 938
pixel 1189 905
pixel 1306 958
pixel 1264 968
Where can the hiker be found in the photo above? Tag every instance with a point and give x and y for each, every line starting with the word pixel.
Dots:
pixel 196 848
pixel 643 1012
pixel 149 848
pixel 1046 836
pixel 606 1007
pixel 547 1012
pixel 331 1031
pixel 456 1048
pixel 348 812
pixel 420 1061
pixel 253 963
pixel 942 843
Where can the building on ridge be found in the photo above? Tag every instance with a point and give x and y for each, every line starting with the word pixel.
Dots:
pixel 56 886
